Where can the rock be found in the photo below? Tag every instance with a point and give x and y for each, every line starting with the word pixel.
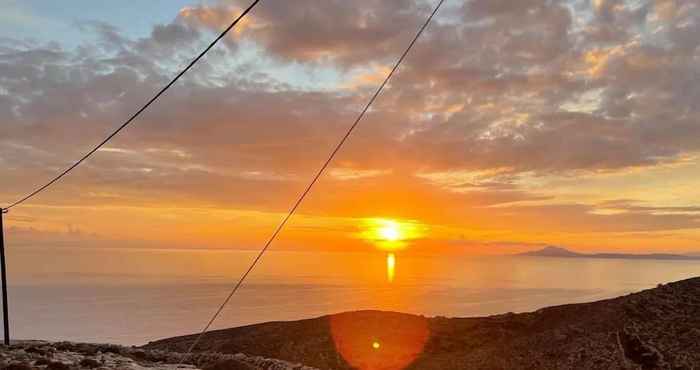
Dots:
pixel 18 366
pixel 639 352
pixel 229 364
pixel 39 355
pixel 57 366
pixel 90 363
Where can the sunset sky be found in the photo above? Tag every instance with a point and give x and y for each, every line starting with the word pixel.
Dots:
pixel 511 124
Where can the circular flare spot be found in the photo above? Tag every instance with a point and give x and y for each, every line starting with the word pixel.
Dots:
pixel 402 336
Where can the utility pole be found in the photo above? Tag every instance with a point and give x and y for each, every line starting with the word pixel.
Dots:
pixel 5 313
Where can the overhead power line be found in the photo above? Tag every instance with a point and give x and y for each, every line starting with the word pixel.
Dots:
pixel 135 115
pixel 312 183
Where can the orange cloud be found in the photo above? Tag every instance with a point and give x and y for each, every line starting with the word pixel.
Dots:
pixel 514 130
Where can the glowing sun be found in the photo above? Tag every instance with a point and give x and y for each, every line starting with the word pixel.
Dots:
pixel 390 231
pixel 391 234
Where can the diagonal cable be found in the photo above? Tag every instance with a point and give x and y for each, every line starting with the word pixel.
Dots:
pixel 311 184
pixel 135 115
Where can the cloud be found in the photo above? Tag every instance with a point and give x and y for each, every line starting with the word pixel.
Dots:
pixel 354 173
pixel 321 31
pixel 496 94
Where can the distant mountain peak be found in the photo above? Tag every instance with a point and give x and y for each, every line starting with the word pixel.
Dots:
pixel 554 251
pixel 551 251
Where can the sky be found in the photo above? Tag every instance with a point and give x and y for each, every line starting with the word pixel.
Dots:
pixel 511 124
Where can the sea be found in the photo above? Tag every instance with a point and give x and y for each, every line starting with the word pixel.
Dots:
pixel 133 296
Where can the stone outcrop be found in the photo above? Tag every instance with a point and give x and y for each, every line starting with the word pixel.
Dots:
pixel 31 355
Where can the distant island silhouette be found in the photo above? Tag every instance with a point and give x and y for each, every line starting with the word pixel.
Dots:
pixel 553 251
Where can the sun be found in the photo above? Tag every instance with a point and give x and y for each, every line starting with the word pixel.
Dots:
pixel 390 231
pixel 390 234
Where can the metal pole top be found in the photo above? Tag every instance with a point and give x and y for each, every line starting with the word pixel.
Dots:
pixel 4 210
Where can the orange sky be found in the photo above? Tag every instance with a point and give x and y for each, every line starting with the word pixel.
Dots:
pixel 574 124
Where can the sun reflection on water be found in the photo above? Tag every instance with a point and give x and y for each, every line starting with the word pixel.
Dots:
pixel 390 267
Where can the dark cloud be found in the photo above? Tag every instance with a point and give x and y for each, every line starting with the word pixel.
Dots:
pixel 313 31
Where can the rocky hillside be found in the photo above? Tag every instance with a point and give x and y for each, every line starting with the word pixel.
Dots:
pixel 35 355
pixel 653 329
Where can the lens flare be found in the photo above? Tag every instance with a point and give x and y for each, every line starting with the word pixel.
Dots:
pixel 373 340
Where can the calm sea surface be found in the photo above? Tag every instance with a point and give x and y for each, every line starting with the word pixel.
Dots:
pixel 131 296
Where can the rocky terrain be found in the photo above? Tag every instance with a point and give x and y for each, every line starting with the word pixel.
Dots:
pixel 30 355
pixel 654 329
